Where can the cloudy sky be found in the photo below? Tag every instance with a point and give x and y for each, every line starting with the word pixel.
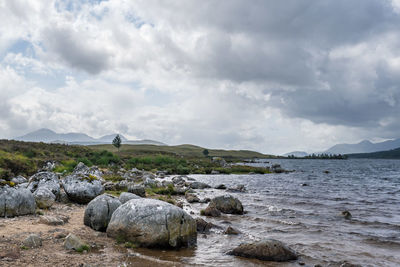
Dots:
pixel 272 76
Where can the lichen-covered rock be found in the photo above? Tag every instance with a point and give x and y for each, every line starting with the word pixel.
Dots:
pixel 32 241
pixel 19 180
pixel 16 202
pixel 227 204
pixel 82 188
pixel 126 196
pixel 81 168
pixel 99 211
pixel 267 250
pixel 44 198
pixel 153 223
pixel 137 190
pixel 192 198
pixel 72 242
pixel 45 179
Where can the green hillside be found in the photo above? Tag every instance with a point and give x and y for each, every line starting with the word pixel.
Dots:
pixel 389 154
pixel 187 151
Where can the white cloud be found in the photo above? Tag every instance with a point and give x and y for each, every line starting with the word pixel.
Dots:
pixel 268 76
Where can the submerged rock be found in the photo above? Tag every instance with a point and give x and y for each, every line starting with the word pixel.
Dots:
pixel 16 202
pixel 126 196
pixel 227 204
pixel 267 250
pixel 82 188
pixel 153 223
pixel 44 198
pixel 346 214
pixel 211 212
pixel 99 211
pixel 192 198
pixel 220 186
pixel 203 226
pixel 239 188
pixel 199 185
pixel 231 231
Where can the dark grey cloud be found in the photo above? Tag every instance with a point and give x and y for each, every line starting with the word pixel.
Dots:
pixel 76 49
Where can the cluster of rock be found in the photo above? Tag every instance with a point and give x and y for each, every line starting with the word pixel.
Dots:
pixel 143 222
pixel 21 196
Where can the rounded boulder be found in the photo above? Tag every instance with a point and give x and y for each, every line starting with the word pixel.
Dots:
pixel 44 198
pixel 99 211
pixel 153 223
pixel 16 202
pixel 81 188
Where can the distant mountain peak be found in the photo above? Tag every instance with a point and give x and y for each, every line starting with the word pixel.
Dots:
pixel 49 136
pixel 364 146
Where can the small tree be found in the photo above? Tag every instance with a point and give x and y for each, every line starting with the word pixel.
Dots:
pixel 117 142
pixel 205 152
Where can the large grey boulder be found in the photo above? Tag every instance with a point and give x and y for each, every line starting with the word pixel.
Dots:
pixel 126 196
pixel 82 188
pixel 45 179
pixel 227 204
pixel 153 223
pixel 16 202
pixel 99 211
pixel 44 198
pixel 267 250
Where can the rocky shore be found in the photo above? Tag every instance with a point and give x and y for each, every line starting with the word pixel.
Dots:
pixel 82 219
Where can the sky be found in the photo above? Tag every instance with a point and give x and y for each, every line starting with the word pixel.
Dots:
pixel 266 75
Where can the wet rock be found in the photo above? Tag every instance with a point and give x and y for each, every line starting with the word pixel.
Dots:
pixel 16 202
pixel 348 264
pixel 153 223
pixel 45 179
pixel 199 185
pixel 205 200
pixel 32 241
pixel 220 187
pixel 214 172
pixel 191 198
pixel 238 189
pixel 267 250
pixel 44 198
pixel 99 211
pixel 276 168
pixel 346 214
pixel 72 242
pixel 203 226
pixel 82 188
pixel 126 196
pixel 227 204
pixel 211 212
pixel 137 190
pixel 305 184
pixel 179 180
pixel 231 231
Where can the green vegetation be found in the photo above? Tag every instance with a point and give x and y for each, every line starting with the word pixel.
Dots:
pixel 169 190
pixel 25 158
pixel 83 248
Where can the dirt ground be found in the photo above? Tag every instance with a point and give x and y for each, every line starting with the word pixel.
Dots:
pixel 104 251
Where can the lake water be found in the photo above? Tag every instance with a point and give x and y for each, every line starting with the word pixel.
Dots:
pixel 307 218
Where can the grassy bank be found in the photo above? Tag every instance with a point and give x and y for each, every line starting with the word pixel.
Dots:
pixel 26 158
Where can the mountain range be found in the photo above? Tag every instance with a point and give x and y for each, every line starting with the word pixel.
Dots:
pixel 361 147
pixel 49 136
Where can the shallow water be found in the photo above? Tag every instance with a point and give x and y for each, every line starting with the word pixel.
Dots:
pixel 307 218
